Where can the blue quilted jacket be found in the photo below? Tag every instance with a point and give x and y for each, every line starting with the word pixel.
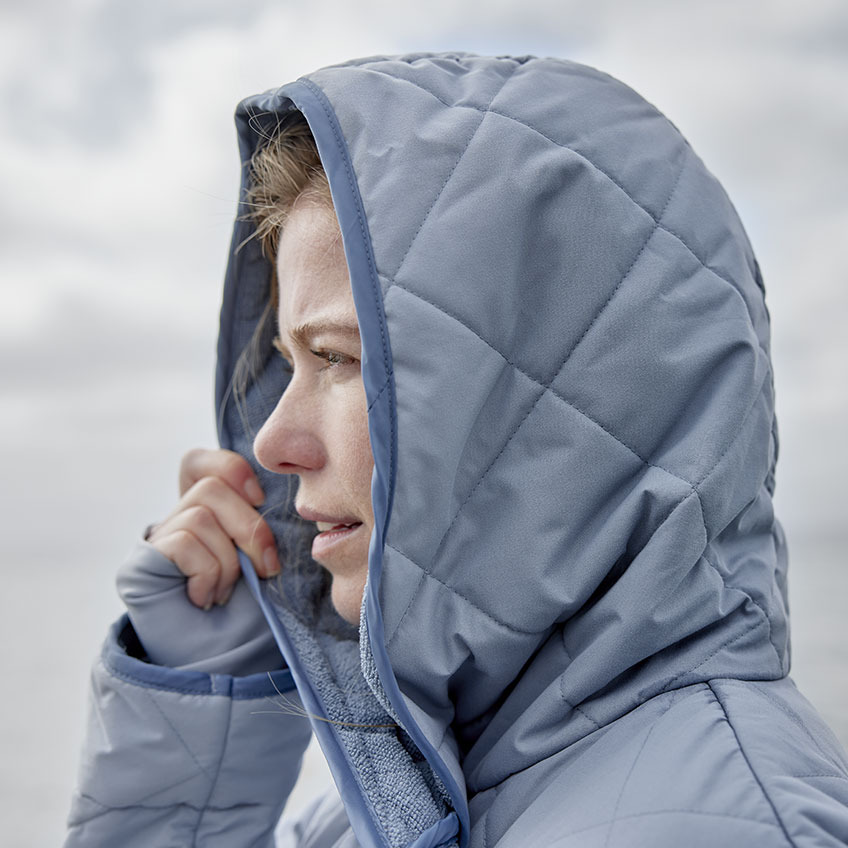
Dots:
pixel 574 631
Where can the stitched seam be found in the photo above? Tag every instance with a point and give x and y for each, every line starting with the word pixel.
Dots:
pixel 559 369
pixel 545 390
pixel 113 671
pixel 378 303
pixel 347 742
pixel 630 772
pixel 797 721
pixel 483 112
pixel 213 781
pixel 537 381
pixel 412 597
pixel 138 806
pixel 740 430
pixel 426 573
pixel 379 394
pixel 586 159
pixel 178 735
pixel 577 709
pixel 672 811
pixel 354 193
pixel 809 776
pixel 745 595
pixel 720 648
pixel 632 264
pixel 748 763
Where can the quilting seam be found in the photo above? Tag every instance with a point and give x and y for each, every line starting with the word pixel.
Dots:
pixel 563 364
pixel 693 487
pixel 576 708
pixel 176 732
pixel 243 805
pixel 747 596
pixel 632 264
pixel 537 381
pixel 672 811
pixel 754 774
pixel 214 780
pixel 586 159
pixel 379 394
pixel 454 591
pixel 726 644
pixel 483 112
pixel 626 780
pixel 793 718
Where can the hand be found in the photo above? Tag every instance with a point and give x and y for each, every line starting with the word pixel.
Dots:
pixel 215 515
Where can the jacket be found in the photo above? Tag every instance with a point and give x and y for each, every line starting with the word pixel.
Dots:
pixel 574 630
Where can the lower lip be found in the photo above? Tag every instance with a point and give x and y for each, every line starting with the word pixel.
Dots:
pixel 327 541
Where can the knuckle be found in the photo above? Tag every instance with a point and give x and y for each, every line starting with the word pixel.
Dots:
pixel 191 458
pixel 208 488
pixel 201 516
pixel 183 542
pixel 234 466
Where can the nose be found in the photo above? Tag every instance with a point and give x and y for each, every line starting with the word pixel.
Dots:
pixel 289 441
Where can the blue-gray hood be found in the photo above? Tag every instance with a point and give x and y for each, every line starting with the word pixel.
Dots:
pixel 566 359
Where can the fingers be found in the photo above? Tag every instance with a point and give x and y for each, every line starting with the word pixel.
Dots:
pixel 215 517
pixel 232 468
pixel 194 559
pixel 195 540
pixel 238 520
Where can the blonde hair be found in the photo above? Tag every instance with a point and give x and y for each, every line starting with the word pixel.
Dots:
pixel 283 171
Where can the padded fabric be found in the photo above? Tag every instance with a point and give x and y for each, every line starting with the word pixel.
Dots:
pixel 576 611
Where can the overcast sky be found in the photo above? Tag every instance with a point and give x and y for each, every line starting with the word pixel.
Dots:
pixel 118 180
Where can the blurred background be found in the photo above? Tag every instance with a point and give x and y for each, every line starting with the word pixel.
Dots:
pixel 118 181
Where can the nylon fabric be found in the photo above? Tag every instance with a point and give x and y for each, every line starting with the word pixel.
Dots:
pixel 581 395
pixel 574 630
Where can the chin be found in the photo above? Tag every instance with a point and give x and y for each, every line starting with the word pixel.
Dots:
pixel 346 595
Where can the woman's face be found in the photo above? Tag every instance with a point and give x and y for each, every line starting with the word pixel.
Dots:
pixel 319 428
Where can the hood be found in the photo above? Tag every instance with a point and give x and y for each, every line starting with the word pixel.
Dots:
pixel 566 359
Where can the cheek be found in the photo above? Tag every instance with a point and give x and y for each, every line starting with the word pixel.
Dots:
pixel 359 462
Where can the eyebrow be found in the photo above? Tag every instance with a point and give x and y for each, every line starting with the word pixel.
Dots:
pixel 303 334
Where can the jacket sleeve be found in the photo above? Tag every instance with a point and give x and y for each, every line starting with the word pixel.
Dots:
pixel 178 758
pixel 232 639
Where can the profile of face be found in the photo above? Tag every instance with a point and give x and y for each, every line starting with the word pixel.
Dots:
pixel 319 428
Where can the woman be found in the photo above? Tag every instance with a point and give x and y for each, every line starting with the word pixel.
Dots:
pixel 549 602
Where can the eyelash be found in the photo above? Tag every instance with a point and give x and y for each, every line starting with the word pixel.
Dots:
pixel 331 359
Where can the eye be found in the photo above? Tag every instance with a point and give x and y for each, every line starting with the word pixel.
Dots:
pixel 333 358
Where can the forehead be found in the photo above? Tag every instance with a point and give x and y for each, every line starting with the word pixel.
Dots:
pixel 312 274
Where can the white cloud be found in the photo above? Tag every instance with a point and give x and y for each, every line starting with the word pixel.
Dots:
pixel 119 169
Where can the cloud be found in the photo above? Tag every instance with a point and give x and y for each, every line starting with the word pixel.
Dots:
pixel 86 78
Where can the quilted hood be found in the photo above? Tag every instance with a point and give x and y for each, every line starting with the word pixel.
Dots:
pixel 566 359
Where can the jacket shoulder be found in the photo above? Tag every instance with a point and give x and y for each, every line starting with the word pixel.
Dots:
pixel 725 762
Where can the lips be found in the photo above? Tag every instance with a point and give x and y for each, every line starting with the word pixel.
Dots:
pixel 325 520
pixel 333 531
pixel 325 526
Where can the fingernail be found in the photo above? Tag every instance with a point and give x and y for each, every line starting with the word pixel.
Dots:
pixel 225 597
pixel 254 491
pixel 269 559
pixel 209 600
